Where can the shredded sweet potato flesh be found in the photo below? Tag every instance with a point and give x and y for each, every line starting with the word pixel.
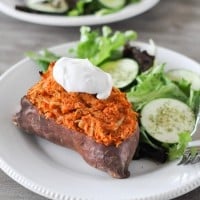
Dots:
pixel 108 122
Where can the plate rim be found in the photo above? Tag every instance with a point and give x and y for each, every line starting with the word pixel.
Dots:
pixel 79 20
pixel 45 192
pixel 42 190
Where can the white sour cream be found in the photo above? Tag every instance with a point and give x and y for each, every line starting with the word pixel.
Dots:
pixel 80 75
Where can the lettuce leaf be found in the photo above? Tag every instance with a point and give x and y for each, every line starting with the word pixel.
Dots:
pixel 194 100
pixel 193 95
pixel 80 5
pixel 99 47
pixel 164 150
pixel 154 84
pixel 43 58
pixel 176 150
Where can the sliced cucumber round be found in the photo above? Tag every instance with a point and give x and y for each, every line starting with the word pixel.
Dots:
pixel 123 71
pixel 164 119
pixel 191 77
pixel 50 6
pixel 112 4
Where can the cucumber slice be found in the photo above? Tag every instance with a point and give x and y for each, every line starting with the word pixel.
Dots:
pixel 48 6
pixel 164 119
pixel 191 77
pixel 112 4
pixel 123 71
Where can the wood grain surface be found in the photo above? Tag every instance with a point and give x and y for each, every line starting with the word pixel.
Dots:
pixel 174 24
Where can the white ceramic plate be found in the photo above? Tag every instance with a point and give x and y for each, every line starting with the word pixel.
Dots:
pixel 60 173
pixel 8 7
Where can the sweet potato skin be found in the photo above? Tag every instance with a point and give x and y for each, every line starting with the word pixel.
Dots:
pixel 111 159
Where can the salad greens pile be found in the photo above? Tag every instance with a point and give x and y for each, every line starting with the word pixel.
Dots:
pixel 97 47
pixel 74 7
pixel 153 83
pixel 98 7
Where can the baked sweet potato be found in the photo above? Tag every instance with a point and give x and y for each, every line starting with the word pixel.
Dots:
pixel 104 132
pixel 114 160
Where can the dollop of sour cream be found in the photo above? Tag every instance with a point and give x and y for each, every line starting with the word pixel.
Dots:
pixel 80 75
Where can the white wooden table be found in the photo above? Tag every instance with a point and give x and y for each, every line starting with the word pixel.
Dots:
pixel 174 24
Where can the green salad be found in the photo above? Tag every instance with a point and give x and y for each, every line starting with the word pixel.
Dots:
pixel 167 101
pixel 74 7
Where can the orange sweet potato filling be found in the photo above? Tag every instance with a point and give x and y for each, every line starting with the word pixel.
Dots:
pixel 108 121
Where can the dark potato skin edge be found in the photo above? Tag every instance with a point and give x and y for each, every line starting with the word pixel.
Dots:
pixel 111 159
